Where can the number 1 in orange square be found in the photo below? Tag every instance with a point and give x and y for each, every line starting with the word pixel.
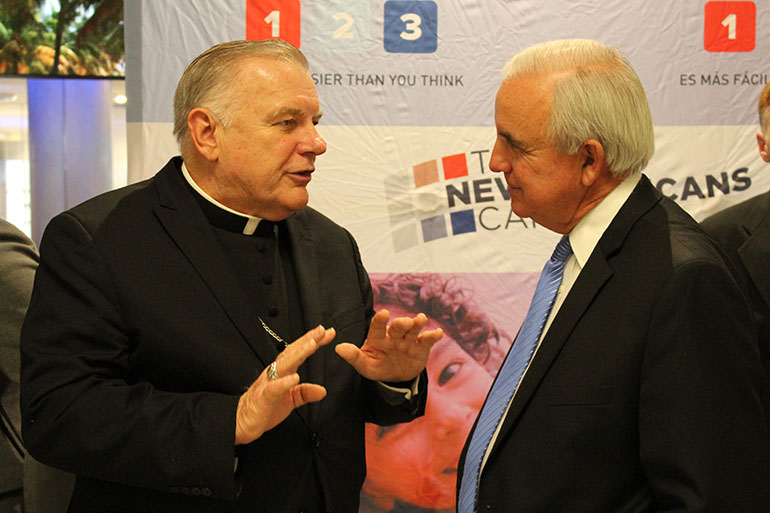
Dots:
pixel 729 26
pixel 267 19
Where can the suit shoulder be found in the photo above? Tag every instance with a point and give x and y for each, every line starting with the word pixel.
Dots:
pixel 689 242
pixel 11 236
pixel 92 213
pixel 315 220
pixel 751 212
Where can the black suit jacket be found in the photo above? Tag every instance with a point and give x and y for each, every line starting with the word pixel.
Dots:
pixel 644 395
pixel 18 260
pixel 139 341
pixel 743 231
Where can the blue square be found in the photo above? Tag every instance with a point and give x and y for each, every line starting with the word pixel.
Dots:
pixel 411 26
pixel 463 222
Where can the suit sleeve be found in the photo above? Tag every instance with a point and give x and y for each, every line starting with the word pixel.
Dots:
pixel 701 382
pixel 82 411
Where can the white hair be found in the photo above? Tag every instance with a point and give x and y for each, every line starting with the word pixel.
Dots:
pixel 596 95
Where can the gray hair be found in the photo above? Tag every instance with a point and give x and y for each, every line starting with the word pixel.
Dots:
pixel 596 95
pixel 207 80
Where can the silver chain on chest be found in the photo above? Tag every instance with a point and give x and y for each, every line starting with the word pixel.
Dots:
pixel 272 333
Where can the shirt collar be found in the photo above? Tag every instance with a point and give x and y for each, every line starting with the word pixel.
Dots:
pixel 586 234
pixel 249 223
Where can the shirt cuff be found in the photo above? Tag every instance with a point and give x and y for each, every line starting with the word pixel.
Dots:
pixel 408 389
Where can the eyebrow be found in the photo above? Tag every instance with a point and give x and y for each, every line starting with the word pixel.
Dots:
pixel 512 141
pixel 295 112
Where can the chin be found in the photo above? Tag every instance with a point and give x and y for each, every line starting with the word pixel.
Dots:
pixel 519 210
pixel 296 204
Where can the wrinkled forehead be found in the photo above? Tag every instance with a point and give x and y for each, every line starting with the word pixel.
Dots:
pixel 273 80
pixel 257 70
pixel 523 102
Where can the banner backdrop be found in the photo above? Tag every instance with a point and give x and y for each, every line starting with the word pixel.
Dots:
pixel 407 88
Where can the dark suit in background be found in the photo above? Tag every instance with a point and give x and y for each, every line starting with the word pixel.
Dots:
pixel 743 231
pixel 45 489
pixel 644 394
pixel 18 260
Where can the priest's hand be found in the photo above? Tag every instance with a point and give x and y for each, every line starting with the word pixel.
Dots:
pixel 395 352
pixel 277 391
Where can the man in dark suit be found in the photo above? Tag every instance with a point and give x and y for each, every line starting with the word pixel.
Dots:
pixel 743 231
pixel 25 484
pixel 155 356
pixel 643 394
pixel 18 260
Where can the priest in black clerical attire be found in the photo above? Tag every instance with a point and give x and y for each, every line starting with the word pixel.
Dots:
pixel 203 341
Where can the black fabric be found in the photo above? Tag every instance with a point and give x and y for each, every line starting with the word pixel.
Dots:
pixel 140 340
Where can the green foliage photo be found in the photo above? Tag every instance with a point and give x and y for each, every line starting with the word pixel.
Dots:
pixel 82 38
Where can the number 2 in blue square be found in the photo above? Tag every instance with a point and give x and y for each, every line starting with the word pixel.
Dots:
pixel 411 26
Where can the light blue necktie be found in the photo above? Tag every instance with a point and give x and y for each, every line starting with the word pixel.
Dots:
pixel 510 374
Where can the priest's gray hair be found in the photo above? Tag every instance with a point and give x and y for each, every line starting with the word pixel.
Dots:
pixel 209 80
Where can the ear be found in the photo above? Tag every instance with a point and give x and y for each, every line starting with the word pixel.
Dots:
pixel 763 149
pixel 203 127
pixel 591 155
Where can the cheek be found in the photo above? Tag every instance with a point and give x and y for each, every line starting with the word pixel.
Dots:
pixel 400 443
pixel 478 388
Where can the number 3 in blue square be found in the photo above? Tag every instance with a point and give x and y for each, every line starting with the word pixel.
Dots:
pixel 411 26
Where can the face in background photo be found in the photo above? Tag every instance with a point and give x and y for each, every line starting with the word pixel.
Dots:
pixel 413 467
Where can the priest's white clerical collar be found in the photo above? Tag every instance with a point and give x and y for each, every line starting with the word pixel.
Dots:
pixel 251 221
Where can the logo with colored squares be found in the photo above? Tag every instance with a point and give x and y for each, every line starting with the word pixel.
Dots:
pixel 446 197
pixel 408 26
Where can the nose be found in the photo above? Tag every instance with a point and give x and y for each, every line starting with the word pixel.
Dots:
pixel 313 143
pixel 497 161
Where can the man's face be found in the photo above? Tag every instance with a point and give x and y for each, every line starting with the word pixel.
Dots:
pixel 544 183
pixel 763 140
pixel 267 153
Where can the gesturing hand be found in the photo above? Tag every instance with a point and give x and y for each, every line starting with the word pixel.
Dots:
pixel 397 352
pixel 268 402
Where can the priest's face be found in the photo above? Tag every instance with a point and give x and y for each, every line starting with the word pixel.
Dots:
pixel 267 148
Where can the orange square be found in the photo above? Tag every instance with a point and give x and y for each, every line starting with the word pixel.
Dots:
pixel 730 26
pixel 279 19
pixel 455 166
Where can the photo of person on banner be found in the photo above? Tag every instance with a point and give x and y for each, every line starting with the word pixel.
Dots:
pixel 413 468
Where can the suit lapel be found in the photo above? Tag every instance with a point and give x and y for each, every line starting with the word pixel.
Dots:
pixel 306 268
pixel 583 293
pixel 188 227
pixel 754 252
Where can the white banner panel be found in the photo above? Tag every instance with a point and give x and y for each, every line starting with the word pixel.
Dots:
pixel 407 88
